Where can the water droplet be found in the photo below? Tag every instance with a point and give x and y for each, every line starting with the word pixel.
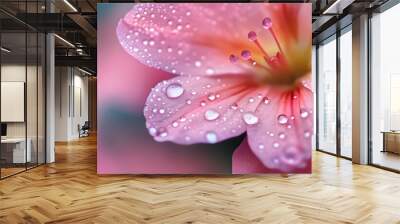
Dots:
pixel 250 118
pixel 211 115
pixel 162 111
pixel 252 36
pixel 203 103
pixel 291 155
pixel 303 113
pixel 155 110
pixel 282 135
pixel 261 146
pixel 282 119
pixel 174 90
pixel 267 23
pixel 246 55
pixel 211 97
pixel 307 134
pixel 275 144
pixel 152 131
pixel 234 106
pixel 188 102
pixel 211 137
pixel 251 100
pixel 175 124
pixel 233 58
pixel 266 100
pixel 210 71
pixel 188 13
pixel 197 63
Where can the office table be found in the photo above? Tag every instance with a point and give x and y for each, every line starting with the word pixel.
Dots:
pixel 391 141
pixel 18 150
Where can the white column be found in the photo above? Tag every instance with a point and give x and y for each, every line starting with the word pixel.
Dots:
pixel 360 90
pixel 50 92
pixel 50 99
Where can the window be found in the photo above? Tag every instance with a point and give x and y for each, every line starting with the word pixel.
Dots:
pixel 346 93
pixel 327 96
pixel 385 87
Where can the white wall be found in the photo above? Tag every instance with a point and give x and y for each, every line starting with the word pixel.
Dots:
pixel 71 102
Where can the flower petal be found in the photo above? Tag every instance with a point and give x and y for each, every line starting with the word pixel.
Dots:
pixel 244 161
pixel 282 138
pixel 191 39
pixel 200 109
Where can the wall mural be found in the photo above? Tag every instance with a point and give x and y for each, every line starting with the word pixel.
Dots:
pixel 204 88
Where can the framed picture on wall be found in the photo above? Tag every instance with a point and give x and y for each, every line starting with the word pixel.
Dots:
pixel 204 88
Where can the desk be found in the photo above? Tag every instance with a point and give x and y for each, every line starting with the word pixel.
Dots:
pixel 18 150
pixel 391 141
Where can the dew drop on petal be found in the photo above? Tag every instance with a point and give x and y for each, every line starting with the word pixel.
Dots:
pixel 164 134
pixel 250 118
pixel 234 106
pixel 282 119
pixel 203 103
pixel 303 113
pixel 161 111
pixel 211 115
pixel 261 146
pixel 210 71
pixel 211 97
pixel 307 134
pixel 175 124
pixel 275 144
pixel 282 135
pixel 233 58
pixel 197 63
pixel 266 100
pixel 152 131
pixel 211 137
pixel 174 90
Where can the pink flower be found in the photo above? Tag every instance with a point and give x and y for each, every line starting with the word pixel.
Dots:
pixel 238 68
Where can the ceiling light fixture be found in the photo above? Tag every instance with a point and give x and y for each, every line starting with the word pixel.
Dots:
pixel 64 40
pixel 70 5
pixel 338 6
pixel 5 50
pixel 84 71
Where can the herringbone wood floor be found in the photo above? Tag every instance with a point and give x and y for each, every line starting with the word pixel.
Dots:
pixel 70 191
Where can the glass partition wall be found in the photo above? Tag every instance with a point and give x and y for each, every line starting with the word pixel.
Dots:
pixel 385 89
pixel 334 93
pixel 22 77
pixel 327 96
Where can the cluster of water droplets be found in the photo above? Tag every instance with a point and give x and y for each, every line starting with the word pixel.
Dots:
pixel 171 97
pixel 160 36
